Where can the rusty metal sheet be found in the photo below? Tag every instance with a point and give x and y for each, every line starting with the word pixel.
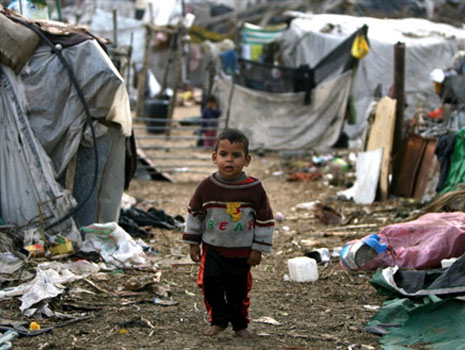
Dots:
pixel 411 154
pixel 423 175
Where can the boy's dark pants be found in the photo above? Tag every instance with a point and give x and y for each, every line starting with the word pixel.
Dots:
pixel 225 283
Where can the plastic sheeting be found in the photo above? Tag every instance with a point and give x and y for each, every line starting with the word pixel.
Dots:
pixel 55 111
pixel 428 45
pixel 282 121
pixel 368 169
pixel 27 178
pixel 395 282
pixel 421 243
pixel 49 282
pixel 114 244
pixel 433 324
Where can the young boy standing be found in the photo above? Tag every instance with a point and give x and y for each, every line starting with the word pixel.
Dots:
pixel 230 215
pixel 209 121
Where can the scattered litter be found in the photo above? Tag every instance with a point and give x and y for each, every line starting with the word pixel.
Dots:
pixel 48 283
pixel 309 243
pixel 447 262
pixel 371 307
pixel 114 244
pixel 6 338
pixel 146 248
pixel 127 201
pixel 303 269
pixel 279 217
pixel 165 302
pixel 34 326
pixel 369 347
pixel 35 250
pixel 189 293
pixel 320 255
pixel 357 253
pixel 307 205
pixel 170 283
pixel 135 322
pixel 9 263
pixel 148 283
pixel 267 320
pixel 62 245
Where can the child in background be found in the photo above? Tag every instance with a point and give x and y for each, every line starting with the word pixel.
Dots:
pixel 209 122
pixel 230 215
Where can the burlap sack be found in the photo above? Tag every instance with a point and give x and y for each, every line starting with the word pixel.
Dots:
pixel 17 43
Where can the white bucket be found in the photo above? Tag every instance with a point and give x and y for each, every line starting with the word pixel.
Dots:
pixel 303 269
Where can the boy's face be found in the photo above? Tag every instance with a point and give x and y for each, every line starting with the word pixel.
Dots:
pixel 230 159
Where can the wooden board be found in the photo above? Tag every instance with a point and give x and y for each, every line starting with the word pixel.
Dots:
pixel 382 135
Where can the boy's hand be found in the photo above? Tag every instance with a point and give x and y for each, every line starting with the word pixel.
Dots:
pixel 194 252
pixel 255 258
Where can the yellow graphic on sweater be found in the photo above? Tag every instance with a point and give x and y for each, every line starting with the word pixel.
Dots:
pixel 234 209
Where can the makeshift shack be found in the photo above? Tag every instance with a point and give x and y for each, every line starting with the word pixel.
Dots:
pixel 65 117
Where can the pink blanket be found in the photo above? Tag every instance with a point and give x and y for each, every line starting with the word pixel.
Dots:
pixel 421 243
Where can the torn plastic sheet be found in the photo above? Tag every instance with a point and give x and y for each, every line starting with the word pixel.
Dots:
pixel 434 324
pixel 114 244
pixel 48 282
pixel 395 282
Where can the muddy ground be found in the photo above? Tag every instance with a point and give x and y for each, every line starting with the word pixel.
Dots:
pixel 330 313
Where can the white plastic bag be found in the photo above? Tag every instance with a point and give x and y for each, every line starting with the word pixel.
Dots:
pixel 114 244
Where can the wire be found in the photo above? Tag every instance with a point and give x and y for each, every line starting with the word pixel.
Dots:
pixel 86 110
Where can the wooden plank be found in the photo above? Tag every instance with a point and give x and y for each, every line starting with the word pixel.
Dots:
pixel 382 135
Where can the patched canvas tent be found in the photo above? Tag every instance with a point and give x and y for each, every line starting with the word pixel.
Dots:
pixel 52 159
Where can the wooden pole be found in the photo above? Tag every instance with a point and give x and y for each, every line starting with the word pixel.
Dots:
pixel 115 28
pixel 399 94
pixel 176 74
pixel 141 76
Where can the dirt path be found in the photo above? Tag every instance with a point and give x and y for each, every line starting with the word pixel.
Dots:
pixel 330 313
